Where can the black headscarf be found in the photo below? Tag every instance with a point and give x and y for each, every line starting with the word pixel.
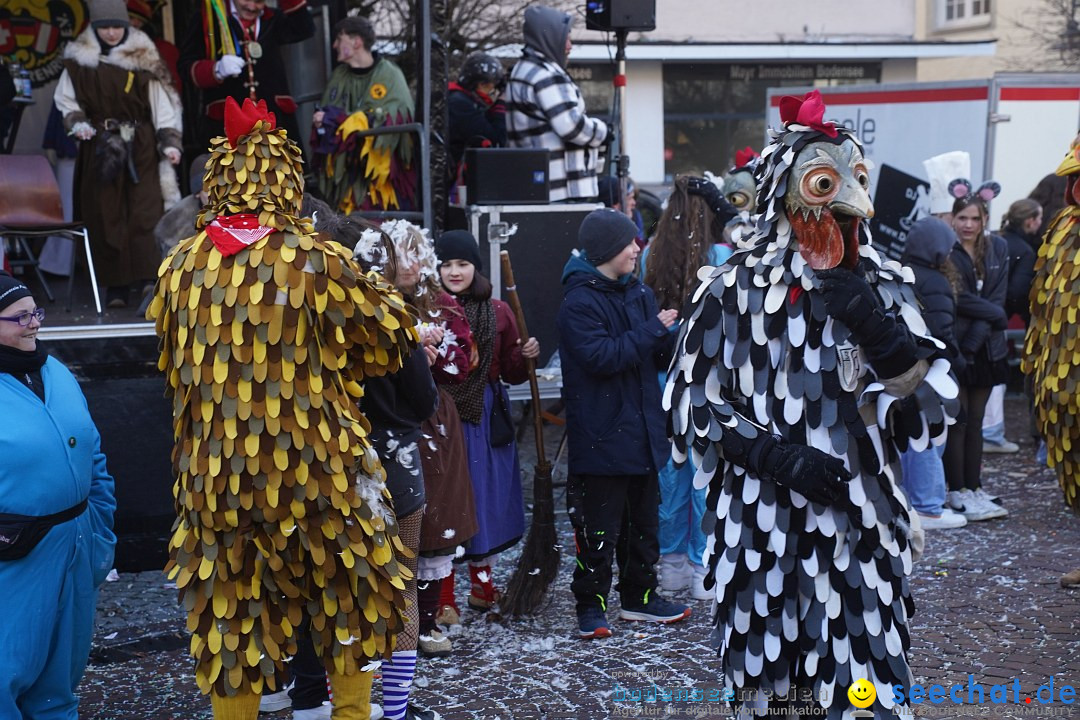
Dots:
pixel 13 360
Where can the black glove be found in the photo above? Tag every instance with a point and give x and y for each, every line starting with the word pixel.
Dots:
pixel 815 475
pixel 849 299
pixel 707 190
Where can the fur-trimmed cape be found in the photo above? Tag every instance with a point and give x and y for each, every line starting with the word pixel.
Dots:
pixel 139 54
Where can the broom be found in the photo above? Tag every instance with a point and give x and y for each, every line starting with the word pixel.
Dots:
pixel 539 563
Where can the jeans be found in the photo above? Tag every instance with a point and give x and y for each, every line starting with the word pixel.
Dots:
pixel 681 510
pixel 993 428
pixel 923 479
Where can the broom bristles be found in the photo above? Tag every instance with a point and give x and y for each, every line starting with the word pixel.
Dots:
pixel 539 563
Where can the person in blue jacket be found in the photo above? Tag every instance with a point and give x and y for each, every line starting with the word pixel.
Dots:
pixel 56 516
pixel 689 236
pixel 612 340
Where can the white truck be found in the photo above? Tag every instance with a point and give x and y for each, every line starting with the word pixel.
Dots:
pixel 1015 126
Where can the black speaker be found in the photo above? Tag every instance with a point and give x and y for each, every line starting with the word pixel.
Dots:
pixel 607 15
pixel 506 176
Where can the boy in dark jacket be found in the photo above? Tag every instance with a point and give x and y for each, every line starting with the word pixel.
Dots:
pixel 613 338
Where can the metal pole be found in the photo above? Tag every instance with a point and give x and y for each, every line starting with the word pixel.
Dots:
pixel 424 100
pixel 623 168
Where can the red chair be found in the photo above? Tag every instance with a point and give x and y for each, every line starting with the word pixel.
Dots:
pixel 30 207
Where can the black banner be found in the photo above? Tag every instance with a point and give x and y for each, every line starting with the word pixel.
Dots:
pixel 899 200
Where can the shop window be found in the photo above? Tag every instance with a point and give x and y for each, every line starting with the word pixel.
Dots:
pixel 712 110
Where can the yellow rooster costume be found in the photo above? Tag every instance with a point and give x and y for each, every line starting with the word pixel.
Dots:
pixel 268 331
pixel 1052 346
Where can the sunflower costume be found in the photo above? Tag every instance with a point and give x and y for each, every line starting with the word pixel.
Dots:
pixel 268 331
pixel 366 173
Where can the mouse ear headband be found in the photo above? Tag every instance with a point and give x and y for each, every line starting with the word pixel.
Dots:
pixel 960 188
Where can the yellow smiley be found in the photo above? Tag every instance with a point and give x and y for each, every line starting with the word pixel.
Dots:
pixel 862 693
pixel 378 91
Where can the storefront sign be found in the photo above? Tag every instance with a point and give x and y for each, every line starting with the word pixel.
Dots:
pixel 804 72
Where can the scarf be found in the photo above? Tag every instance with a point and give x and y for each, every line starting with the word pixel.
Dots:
pixel 469 395
pixel 232 233
pixel 19 362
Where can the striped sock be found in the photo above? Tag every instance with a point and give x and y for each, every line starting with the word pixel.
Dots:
pixel 397 678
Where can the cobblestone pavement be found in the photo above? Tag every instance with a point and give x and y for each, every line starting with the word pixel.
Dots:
pixel 988 605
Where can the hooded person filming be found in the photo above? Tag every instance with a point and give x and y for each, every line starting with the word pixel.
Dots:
pixel 546 109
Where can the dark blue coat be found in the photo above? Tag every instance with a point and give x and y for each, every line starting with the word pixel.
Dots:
pixel 928 245
pixel 612 345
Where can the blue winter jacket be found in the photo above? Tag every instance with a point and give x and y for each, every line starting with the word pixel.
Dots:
pixel 52 460
pixel 612 345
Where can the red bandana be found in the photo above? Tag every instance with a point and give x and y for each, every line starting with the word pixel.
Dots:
pixel 233 233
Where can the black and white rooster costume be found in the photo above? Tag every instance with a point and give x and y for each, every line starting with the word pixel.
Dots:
pixel 803 368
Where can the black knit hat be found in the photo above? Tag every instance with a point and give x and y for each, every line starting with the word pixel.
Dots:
pixel 459 245
pixel 604 233
pixel 11 291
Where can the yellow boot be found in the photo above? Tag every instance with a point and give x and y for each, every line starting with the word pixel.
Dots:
pixel 352 695
pixel 244 706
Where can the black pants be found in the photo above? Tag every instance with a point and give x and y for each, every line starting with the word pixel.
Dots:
pixel 614 516
pixel 964 444
pixel 308 672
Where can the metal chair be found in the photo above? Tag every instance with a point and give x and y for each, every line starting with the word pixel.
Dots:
pixel 30 207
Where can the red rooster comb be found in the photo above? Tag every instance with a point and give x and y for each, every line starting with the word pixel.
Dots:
pixel 808 110
pixel 745 156
pixel 240 121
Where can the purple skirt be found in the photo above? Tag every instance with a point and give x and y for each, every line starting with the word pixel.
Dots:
pixel 496 481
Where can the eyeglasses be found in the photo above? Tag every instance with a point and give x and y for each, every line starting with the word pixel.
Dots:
pixel 24 318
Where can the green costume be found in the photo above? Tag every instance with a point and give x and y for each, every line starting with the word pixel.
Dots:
pixel 373 172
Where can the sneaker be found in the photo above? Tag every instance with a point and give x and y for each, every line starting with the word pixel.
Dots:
pixel 981 494
pixel 947 520
pixel 592 624
pixel 447 616
pixel 272 702
pixel 697 585
pixel 434 644
pixel 1070 579
pixel 1006 447
pixel 414 713
pixel 323 712
pixel 675 572
pixel 973 508
pixel 653 608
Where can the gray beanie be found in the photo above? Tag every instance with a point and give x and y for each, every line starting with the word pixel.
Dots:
pixel 109 13
pixel 604 233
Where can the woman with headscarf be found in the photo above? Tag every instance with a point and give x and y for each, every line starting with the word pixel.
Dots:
pixel 56 518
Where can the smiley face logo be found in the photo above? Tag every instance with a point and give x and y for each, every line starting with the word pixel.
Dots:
pixel 378 91
pixel 862 693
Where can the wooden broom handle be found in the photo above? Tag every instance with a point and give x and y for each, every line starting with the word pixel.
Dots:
pixel 530 364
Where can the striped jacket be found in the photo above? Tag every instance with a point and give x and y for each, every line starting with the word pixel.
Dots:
pixel 546 110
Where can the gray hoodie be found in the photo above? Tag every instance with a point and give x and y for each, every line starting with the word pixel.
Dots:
pixel 546 30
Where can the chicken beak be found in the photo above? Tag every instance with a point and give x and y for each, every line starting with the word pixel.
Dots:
pixel 1070 164
pixel 852 199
